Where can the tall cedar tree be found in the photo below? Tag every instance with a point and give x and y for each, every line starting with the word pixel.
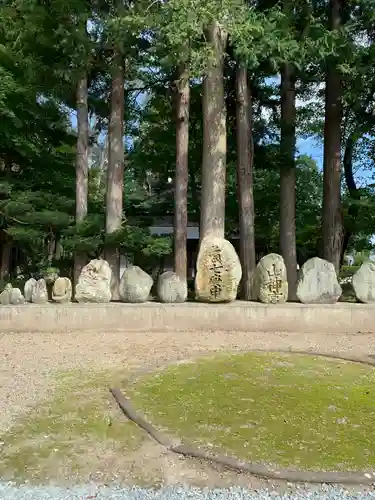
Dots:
pixel 332 209
pixel 182 172
pixel 245 156
pixel 82 163
pixel 115 169
pixel 214 138
pixel 288 177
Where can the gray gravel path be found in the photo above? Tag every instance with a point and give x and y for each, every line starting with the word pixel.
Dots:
pixel 10 492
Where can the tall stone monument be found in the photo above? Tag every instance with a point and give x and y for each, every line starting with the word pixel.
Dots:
pixel 270 280
pixel 218 271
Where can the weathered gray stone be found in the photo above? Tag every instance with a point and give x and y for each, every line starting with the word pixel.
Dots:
pixel 5 295
pixel 28 289
pixel 270 280
pixel 170 288
pixel 135 285
pixel 11 295
pixel 317 282
pixel 219 271
pixel 94 283
pixel 62 290
pixel 364 283
pixel 40 294
pixel 16 297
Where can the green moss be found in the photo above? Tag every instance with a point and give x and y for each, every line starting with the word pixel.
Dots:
pixel 290 410
pixel 61 436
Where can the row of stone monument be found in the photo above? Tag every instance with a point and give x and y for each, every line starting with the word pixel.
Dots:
pixel 217 280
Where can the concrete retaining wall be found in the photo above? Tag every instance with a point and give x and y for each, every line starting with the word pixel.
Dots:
pixel 237 316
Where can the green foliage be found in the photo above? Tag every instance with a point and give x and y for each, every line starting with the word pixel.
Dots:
pixel 348 271
pixel 134 241
pixel 152 159
pixel 45 48
pixel 360 258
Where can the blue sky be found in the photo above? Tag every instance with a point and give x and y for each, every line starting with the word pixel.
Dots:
pixel 311 148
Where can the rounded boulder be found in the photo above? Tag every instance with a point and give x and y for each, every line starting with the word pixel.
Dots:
pixel 135 285
pixel 170 288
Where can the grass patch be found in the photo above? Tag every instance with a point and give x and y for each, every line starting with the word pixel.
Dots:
pixel 66 436
pixel 291 410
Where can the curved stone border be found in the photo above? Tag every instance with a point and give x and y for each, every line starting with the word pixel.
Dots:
pixel 150 317
pixel 347 478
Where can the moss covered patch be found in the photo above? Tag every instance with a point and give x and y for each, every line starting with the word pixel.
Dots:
pixel 290 410
pixel 79 429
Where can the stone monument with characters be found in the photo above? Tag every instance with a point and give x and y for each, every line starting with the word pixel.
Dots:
pixel 218 271
pixel 270 280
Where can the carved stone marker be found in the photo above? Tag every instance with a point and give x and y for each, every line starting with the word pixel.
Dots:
pixel 170 288
pixel 11 295
pixel 62 290
pixel 28 289
pixel 364 283
pixel 218 271
pixel 270 280
pixel 94 283
pixel 317 282
pixel 39 293
pixel 135 285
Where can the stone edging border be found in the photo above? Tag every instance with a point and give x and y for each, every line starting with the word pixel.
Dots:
pixel 153 317
pixel 347 478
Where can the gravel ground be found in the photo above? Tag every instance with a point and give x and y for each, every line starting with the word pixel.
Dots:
pixel 8 492
pixel 28 359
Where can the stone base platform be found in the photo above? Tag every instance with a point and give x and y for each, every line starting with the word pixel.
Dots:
pixel 153 316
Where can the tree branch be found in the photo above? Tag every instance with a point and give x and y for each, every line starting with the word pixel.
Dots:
pixel 13 218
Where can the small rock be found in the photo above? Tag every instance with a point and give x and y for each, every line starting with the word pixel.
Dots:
pixel 11 296
pixel 16 297
pixel 94 283
pixel 364 283
pixel 342 421
pixel 28 289
pixel 219 271
pixel 62 290
pixel 170 288
pixel 317 282
pixel 6 294
pixel 270 279
pixel 135 285
pixel 40 294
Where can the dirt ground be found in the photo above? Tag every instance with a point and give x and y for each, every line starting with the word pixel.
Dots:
pixel 30 360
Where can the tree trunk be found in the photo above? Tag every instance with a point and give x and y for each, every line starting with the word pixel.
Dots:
pixel 350 220
pixel 288 177
pixel 115 169
pixel 81 166
pixel 332 210
pixel 6 253
pixel 214 139
pixel 245 155
pixel 182 174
